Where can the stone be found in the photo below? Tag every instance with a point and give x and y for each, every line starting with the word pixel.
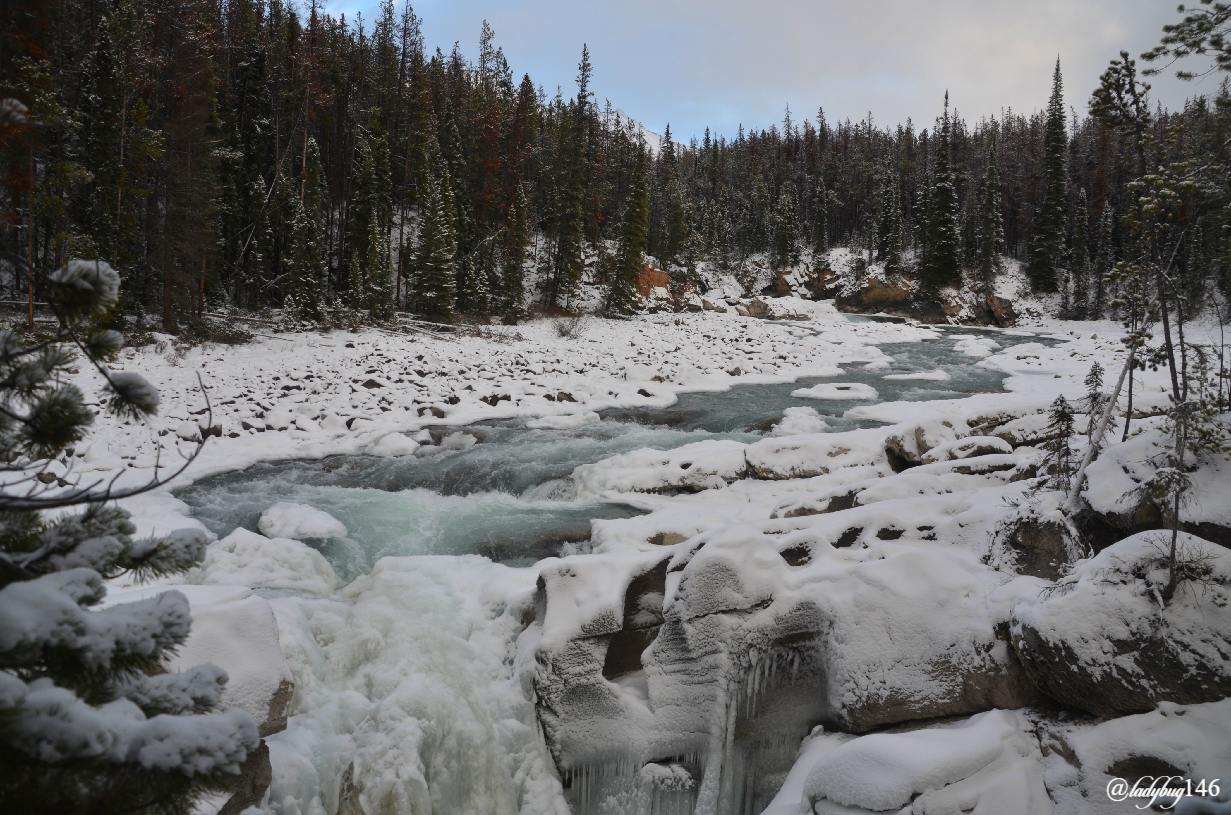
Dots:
pixel 1104 641
pixel 255 776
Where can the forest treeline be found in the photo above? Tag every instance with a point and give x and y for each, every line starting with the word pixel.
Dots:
pixel 255 154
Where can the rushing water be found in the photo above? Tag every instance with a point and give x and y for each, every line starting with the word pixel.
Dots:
pixel 510 496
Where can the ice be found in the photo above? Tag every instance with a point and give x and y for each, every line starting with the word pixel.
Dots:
pixel 406 696
pixel 833 390
pixel 299 521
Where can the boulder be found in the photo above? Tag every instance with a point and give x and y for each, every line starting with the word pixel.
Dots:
pixel 875 294
pixel 728 641
pixel 988 763
pixel 909 446
pixel 1103 641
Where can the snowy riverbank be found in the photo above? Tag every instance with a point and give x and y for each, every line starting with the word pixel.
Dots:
pixel 673 665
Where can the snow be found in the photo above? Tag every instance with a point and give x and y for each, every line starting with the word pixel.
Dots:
pixel 298 521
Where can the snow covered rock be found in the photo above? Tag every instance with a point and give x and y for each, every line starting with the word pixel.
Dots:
pixel 641 656
pixel 799 420
pixel 188 431
pixel 984 764
pixel 298 522
pixel 969 447
pixel 245 558
pixel 392 445
pixel 459 441
pixel 1104 642
pixel 907 447
pixel 1117 510
pixel 834 391
pixel 805 456
pixel 1030 430
pixel 564 421
pixel 235 630
pixel 703 465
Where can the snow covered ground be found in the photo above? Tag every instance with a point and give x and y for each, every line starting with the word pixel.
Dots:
pixel 449 683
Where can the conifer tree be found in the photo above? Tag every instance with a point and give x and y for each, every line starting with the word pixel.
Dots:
pixel 991 225
pixel 1079 262
pixel 941 265
pixel 567 260
pixel 434 256
pixel 820 220
pixel 306 252
pixel 1047 247
pixel 514 256
pixel 1096 401
pixel 1103 263
pixel 1060 427
pixel 889 228
pixel 90 721
pixel 786 227
pixel 630 256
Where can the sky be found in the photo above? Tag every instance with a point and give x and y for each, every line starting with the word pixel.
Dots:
pixel 723 63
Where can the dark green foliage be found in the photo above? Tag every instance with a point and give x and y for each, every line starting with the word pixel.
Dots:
pixel 820 220
pixel 630 256
pixel 890 239
pixel 306 254
pixel 1060 448
pixel 172 141
pixel 1079 259
pixel 786 227
pixel 941 264
pixel 991 224
pixel 1047 248
pixel 434 264
pixel 517 235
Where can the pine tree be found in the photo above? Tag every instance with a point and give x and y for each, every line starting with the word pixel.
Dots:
pixel 786 227
pixel 514 299
pixel 630 256
pixel 1103 263
pixel 1080 259
pixel 991 224
pixel 1047 248
pixel 889 225
pixel 1096 401
pixel 434 256
pixel 307 249
pixel 567 260
pixel 941 265
pixel 1060 427
pixel 92 722
pixel 820 220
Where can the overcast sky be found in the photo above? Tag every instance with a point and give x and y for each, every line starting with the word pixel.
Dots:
pixel 724 62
